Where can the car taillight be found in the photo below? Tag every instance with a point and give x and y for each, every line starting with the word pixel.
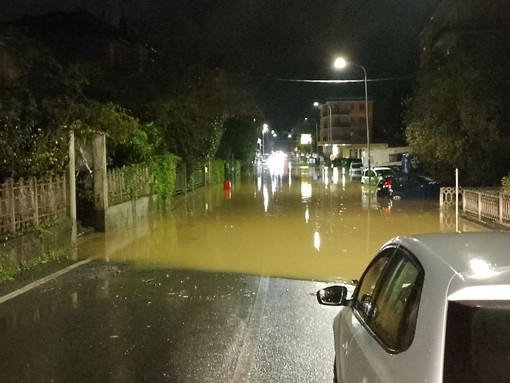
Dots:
pixel 387 184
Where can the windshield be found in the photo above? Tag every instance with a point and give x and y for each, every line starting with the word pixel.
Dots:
pixel 477 344
pixel 385 172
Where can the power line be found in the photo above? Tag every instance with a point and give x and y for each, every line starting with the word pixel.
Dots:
pixel 340 81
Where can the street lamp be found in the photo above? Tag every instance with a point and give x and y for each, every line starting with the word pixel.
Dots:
pixel 265 129
pixel 330 134
pixel 341 63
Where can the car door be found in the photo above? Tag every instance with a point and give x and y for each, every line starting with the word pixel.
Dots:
pixel 428 187
pixel 407 187
pixel 353 350
pixel 384 317
pixel 368 175
pixel 413 187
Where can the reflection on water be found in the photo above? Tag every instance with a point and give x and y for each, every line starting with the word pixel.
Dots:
pixel 297 222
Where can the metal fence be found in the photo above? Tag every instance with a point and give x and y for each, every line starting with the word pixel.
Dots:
pixel 30 202
pixel 125 184
pixel 487 204
pixel 183 183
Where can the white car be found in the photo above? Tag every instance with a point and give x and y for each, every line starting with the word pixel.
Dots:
pixel 355 168
pixel 431 308
pixel 376 174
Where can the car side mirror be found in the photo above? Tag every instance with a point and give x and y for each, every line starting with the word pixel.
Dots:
pixel 333 296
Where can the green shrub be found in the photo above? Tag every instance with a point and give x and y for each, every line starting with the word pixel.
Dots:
pixel 217 172
pixel 164 170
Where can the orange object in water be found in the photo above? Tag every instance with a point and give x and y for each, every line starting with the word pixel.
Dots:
pixel 227 185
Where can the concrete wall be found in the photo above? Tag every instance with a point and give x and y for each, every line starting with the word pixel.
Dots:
pixel 129 213
pixel 53 241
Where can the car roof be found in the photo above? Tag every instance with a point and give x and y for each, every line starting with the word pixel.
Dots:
pixel 468 262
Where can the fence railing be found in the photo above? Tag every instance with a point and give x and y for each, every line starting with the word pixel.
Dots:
pixel 125 184
pixel 128 183
pixel 30 202
pixel 487 204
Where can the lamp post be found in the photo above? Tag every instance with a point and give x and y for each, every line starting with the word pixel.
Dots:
pixel 330 134
pixel 265 129
pixel 330 130
pixel 340 63
pixel 317 138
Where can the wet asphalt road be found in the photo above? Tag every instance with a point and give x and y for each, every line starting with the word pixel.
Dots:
pixel 115 323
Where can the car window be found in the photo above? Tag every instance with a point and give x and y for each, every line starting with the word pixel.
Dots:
pixel 396 302
pixel 477 342
pixel 366 287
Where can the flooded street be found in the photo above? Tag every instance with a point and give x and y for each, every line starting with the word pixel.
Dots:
pixel 314 224
pixel 219 289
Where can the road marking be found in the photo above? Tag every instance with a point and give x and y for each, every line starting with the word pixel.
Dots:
pixel 250 336
pixel 41 281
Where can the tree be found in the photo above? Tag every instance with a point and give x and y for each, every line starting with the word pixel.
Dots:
pixel 185 129
pixel 239 139
pixel 457 119
pixel 44 102
pixel 139 147
pixel 191 119
pixel 29 143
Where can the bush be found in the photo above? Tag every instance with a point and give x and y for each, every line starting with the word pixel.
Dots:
pixel 164 170
pixel 217 172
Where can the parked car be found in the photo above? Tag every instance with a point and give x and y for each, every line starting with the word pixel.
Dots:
pixel 408 186
pixel 430 308
pixel 355 168
pixel 376 174
pixel 345 162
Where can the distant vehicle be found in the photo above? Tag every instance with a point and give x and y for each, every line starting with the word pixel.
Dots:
pixel 431 308
pixel 376 174
pixel 355 168
pixel 387 156
pixel 408 186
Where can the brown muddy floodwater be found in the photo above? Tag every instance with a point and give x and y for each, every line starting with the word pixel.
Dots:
pixel 295 222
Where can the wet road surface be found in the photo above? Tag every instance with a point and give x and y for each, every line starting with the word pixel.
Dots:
pixel 116 323
pixel 220 289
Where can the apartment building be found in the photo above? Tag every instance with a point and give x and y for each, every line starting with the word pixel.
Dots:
pixel 343 127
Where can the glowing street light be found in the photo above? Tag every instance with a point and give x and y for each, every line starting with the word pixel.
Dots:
pixel 341 63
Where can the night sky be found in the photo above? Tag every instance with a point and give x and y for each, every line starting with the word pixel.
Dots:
pixel 262 41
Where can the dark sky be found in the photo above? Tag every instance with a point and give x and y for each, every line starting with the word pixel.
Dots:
pixel 263 40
